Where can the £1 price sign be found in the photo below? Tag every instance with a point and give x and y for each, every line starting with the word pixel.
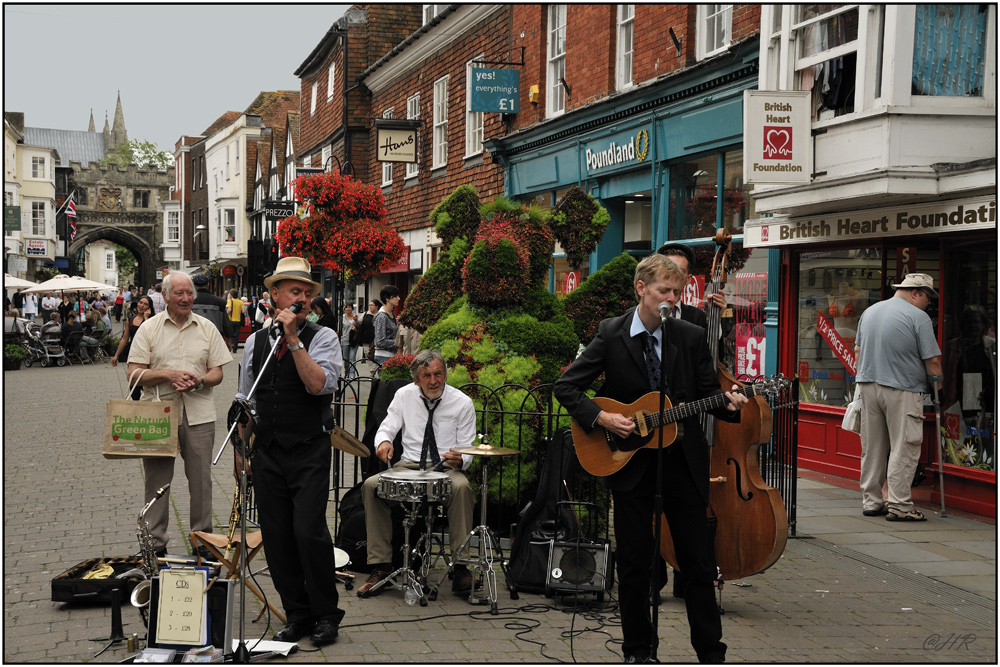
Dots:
pixel 694 291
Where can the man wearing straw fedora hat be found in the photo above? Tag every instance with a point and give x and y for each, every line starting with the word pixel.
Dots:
pixel 292 454
pixel 897 353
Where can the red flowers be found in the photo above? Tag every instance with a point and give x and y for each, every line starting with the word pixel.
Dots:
pixel 345 227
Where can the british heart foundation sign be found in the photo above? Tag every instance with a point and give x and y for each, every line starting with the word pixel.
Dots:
pixel 776 146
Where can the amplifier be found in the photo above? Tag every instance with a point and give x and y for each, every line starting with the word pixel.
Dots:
pixel 579 567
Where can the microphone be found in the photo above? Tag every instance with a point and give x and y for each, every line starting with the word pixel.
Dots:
pixel 295 308
pixel 665 310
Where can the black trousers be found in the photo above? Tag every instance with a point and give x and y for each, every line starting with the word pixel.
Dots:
pixel 685 512
pixel 292 485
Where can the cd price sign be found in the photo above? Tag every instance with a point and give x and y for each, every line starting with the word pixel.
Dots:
pixel 495 90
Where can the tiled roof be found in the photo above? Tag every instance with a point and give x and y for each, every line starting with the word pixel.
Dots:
pixel 221 122
pixel 82 146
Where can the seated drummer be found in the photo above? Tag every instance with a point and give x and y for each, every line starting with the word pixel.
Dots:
pixel 453 420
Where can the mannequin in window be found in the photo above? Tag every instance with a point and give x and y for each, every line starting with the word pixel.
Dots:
pixel 844 309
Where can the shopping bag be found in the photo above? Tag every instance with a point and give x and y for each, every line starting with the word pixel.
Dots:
pixel 141 429
pixel 852 417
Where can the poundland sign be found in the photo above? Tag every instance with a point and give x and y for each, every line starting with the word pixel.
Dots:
pixel 617 150
pixel 951 216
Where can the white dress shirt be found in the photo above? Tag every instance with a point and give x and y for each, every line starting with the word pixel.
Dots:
pixel 454 422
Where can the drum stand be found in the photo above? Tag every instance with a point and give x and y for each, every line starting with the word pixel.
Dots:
pixel 405 579
pixel 484 563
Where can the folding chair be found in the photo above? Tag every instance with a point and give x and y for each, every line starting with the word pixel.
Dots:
pixel 219 544
pixel 72 348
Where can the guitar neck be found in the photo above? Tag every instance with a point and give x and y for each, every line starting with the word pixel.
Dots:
pixel 656 420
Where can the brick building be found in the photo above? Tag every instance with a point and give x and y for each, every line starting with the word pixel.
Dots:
pixel 426 79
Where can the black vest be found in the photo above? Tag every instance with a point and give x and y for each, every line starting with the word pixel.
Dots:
pixel 288 413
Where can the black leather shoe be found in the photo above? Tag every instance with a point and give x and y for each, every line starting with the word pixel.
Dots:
pixel 293 632
pixel 325 632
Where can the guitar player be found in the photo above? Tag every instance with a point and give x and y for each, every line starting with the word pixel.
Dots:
pixel 619 351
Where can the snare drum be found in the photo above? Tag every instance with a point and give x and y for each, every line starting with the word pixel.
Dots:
pixel 414 485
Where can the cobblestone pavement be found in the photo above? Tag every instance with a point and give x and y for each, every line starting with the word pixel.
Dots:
pixel 849 589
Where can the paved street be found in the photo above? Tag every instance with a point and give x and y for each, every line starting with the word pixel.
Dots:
pixel 849 589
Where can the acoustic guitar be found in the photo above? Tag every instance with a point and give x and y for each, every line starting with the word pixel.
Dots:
pixel 602 453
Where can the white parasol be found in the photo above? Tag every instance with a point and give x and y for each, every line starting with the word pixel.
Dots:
pixel 10 282
pixel 64 283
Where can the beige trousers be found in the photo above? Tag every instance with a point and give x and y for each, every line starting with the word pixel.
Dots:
pixel 378 522
pixel 891 436
pixel 196 450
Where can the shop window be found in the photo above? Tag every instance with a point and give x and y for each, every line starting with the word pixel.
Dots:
pixel 949 48
pixel 694 211
pixel 835 287
pixel 969 394
pixel 638 225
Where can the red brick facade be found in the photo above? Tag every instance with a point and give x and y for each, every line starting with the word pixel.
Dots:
pixel 411 200
pixel 591 48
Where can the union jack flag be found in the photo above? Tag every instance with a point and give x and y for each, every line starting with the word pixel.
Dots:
pixel 71 215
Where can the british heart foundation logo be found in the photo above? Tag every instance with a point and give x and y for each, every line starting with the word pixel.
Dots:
pixel 777 142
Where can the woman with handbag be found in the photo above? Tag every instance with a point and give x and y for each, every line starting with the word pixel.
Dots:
pixel 144 310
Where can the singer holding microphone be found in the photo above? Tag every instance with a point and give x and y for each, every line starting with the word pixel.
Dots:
pixel 435 418
pixel 291 455
pixel 627 350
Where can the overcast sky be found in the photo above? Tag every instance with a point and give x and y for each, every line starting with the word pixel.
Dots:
pixel 178 67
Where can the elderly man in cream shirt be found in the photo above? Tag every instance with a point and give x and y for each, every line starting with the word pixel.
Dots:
pixel 182 355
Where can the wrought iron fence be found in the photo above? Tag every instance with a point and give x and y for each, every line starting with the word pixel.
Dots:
pixel 527 419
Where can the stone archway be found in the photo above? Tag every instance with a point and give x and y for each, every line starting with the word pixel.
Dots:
pixel 146 257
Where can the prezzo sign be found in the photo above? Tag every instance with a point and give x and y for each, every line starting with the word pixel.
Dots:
pixel 956 215
pixel 776 136
pixel 617 150
pixel 494 90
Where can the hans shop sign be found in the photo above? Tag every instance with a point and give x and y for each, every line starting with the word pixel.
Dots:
pixel 494 90
pixel 396 140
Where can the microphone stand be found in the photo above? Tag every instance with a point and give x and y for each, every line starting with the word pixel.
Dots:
pixel 654 589
pixel 242 653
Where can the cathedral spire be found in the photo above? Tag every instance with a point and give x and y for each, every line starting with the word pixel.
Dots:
pixel 118 134
pixel 108 147
pixel 91 128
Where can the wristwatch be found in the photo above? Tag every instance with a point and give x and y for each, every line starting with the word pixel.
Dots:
pixel 292 348
pixel 201 384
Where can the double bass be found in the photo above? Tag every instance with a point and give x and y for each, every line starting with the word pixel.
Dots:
pixel 752 524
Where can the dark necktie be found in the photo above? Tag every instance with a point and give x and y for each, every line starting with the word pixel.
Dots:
pixel 430 442
pixel 652 361
pixel 282 348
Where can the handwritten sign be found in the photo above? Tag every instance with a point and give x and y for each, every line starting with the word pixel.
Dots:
pixel 182 611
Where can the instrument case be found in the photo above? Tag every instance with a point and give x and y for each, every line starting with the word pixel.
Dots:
pixel 70 586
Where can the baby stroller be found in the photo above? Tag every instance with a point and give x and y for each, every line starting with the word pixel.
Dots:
pixel 46 350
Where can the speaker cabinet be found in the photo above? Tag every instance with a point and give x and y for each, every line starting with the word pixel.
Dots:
pixel 579 567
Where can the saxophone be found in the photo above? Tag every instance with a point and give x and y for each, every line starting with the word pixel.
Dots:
pixel 150 564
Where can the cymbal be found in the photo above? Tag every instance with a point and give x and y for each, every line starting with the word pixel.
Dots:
pixel 488 450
